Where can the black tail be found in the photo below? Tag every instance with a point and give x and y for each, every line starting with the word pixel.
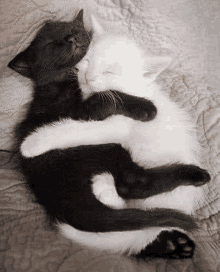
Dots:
pixel 99 218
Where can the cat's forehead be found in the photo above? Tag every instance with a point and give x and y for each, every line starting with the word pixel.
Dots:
pixel 115 49
pixel 113 43
pixel 56 29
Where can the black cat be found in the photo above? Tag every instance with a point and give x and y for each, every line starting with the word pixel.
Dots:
pixel 61 179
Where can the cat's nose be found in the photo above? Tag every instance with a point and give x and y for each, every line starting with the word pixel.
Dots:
pixel 69 39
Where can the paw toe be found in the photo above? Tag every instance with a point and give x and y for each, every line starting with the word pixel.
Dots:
pixel 187 249
pixel 149 116
pixel 170 246
pixel 182 246
pixel 181 240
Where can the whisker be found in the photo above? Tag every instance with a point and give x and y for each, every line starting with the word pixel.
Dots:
pixel 73 75
pixel 105 97
pixel 71 69
pixel 118 98
pixel 100 95
pixel 112 97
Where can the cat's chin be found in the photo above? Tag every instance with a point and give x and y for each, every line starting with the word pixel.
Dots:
pixel 86 95
pixel 88 90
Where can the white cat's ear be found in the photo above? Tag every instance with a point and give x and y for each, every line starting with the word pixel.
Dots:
pixel 97 28
pixel 153 66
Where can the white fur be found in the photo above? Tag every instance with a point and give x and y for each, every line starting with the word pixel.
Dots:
pixel 104 190
pixel 129 242
pixel 67 132
pixel 180 198
pixel 116 62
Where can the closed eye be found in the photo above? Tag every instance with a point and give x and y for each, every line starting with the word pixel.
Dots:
pixel 108 73
pixel 58 42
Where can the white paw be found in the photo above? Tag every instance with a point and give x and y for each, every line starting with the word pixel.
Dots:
pixel 34 145
pixel 104 190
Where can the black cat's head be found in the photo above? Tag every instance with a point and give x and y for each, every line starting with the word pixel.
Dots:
pixel 57 47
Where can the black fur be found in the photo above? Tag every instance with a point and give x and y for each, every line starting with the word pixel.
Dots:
pixel 174 244
pixel 65 191
pixel 98 108
pixel 61 179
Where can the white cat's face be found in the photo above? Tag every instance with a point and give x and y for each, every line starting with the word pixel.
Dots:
pixel 113 63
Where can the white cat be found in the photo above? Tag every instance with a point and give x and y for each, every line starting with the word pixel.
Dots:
pixel 116 62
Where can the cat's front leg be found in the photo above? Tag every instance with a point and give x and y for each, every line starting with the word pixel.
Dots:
pixel 72 133
pixel 97 108
pixel 100 106
pixel 137 108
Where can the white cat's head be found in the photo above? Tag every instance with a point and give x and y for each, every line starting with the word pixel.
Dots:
pixel 115 62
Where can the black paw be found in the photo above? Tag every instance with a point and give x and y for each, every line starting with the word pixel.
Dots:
pixel 173 245
pixel 144 112
pixel 198 176
pixel 179 246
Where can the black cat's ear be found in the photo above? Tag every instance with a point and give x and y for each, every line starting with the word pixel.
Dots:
pixel 20 64
pixel 79 17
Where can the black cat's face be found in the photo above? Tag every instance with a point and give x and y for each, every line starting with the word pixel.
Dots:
pixel 54 52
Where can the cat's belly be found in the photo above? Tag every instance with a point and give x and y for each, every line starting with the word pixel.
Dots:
pixel 158 143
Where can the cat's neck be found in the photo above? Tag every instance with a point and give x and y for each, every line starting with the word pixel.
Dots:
pixel 54 90
pixel 56 100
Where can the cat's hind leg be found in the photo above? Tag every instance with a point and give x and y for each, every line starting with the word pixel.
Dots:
pixel 134 182
pixel 174 245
